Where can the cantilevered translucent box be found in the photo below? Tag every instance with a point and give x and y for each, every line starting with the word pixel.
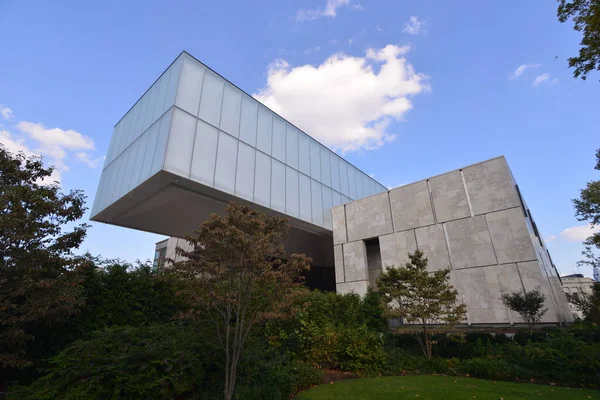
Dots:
pixel 194 142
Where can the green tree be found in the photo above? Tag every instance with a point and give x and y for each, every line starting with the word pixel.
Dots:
pixel 527 304
pixel 234 276
pixel 39 285
pixel 587 206
pixel 588 304
pixel 422 299
pixel 586 17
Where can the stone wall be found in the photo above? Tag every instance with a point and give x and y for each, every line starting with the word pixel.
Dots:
pixel 472 221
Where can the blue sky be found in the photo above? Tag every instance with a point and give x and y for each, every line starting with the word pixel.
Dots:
pixel 78 67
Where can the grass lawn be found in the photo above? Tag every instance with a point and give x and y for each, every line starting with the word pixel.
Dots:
pixel 442 388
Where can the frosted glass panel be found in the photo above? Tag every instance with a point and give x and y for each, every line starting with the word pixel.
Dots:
pixel 126 171
pixel 139 160
pixel 315 160
pixel 244 180
pixel 336 198
pixel 344 178
pixel 248 120
pixel 265 126
pixel 149 153
pixel 291 146
pixel 133 149
pixel 345 200
pixel 230 113
pixel 325 167
pixel 181 143
pixel 161 143
pixel 327 204
pixel 305 206
pixel 262 183
pixel 226 159
pixel 278 186
pixel 335 172
pixel 303 153
pixel 205 153
pixel 190 85
pixel 150 109
pixel 212 95
pixel 351 182
pixel 317 202
pixel 278 139
pixel 292 201
pixel 161 91
pixel 173 83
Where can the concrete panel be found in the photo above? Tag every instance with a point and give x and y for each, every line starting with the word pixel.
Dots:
pixel 490 186
pixel 432 242
pixel 355 261
pixel 369 217
pixel 339 224
pixel 411 206
pixel 449 197
pixel 510 236
pixel 470 243
pixel 395 248
pixel 359 287
pixel 532 277
pixel 338 255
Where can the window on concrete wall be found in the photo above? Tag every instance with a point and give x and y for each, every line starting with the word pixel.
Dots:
pixel 159 257
pixel 374 265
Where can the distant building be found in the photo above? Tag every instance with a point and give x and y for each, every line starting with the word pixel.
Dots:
pixel 576 285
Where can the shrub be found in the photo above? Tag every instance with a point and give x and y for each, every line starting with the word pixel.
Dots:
pixel 156 362
pixel 359 349
pixel 489 368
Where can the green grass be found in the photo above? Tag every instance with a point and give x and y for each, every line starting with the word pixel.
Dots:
pixel 442 388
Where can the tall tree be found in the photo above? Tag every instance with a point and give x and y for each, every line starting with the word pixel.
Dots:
pixel 234 276
pixel 587 206
pixel 529 305
pixel 588 303
pixel 424 300
pixel 38 285
pixel 586 17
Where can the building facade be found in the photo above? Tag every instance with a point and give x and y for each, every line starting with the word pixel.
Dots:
pixel 472 221
pixel 576 286
pixel 195 142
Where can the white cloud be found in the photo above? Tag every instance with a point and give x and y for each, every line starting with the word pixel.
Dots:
pixel 312 50
pixel 579 233
pixel 6 112
pixel 87 160
pixel 540 79
pixel 347 102
pixel 56 145
pixel 414 26
pixel 550 238
pixel 554 81
pixel 521 69
pixel 330 10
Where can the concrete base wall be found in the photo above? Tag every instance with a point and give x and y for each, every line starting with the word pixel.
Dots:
pixel 472 221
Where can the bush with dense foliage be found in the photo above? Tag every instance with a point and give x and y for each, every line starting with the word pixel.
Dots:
pixel 334 332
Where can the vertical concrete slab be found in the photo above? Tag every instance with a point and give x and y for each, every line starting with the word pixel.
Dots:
pixel 470 243
pixel 368 218
pixel 395 248
pixel 490 186
pixel 432 242
pixel 359 287
pixel 338 215
pixel 338 255
pixel 449 197
pixel 510 236
pixel 411 206
pixel 355 261
pixel 532 277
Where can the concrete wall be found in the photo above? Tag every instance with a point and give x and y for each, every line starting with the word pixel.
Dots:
pixel 472 221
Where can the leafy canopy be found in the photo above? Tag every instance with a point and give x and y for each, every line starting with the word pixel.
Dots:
pixel 234 274
pixel 587 206
pixel 421 298
pixel 39 286
pixel 527 304
pixel 586 16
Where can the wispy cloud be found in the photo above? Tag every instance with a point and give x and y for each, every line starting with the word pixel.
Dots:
pixel 521 69
pixel 579 233
pixel 330 10
pixel 540 79
pixel 312 50
pixel 6 112
pixel 414 26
